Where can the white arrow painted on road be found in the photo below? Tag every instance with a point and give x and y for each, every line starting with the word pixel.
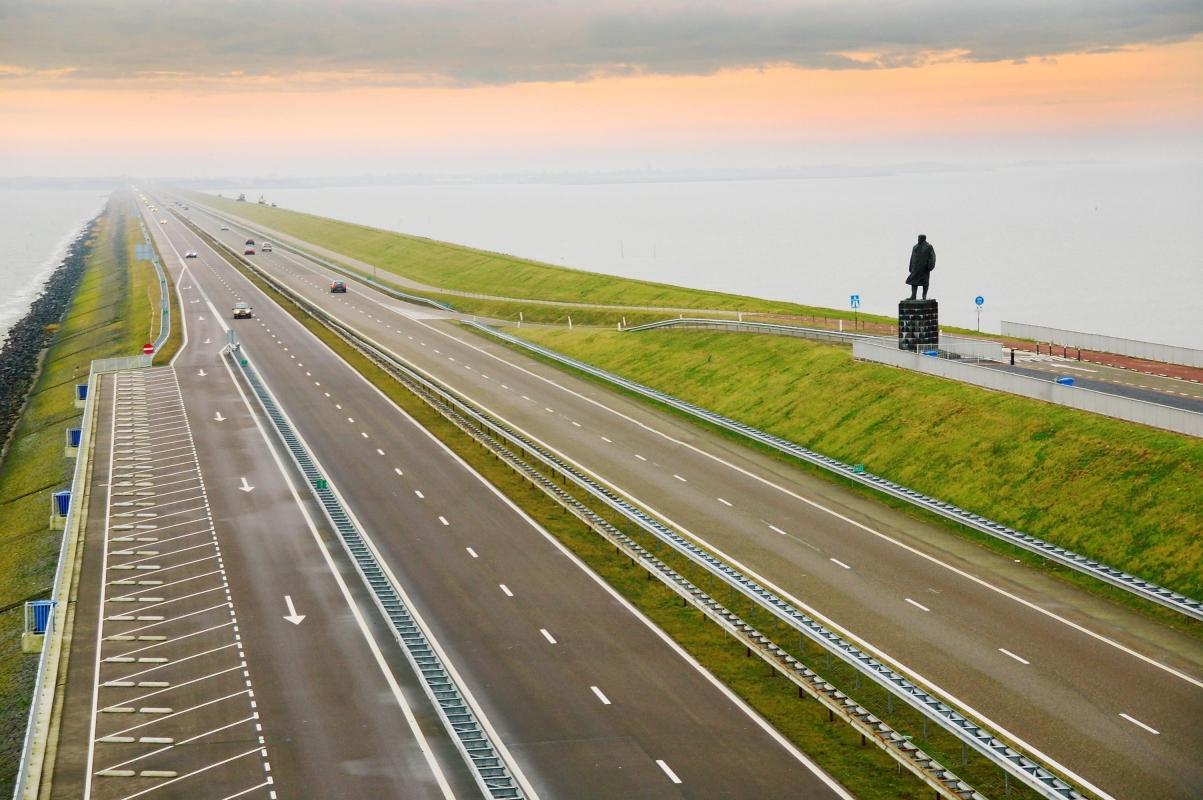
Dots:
pixel 293 616
pixel 208 341
pixel 200 373
pixel 219 417
pixel 202 319
pixel 246 487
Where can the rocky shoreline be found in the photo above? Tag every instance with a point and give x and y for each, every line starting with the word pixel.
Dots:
pixel 28 338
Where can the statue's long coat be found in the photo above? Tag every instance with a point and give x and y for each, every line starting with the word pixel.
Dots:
pixel 923 261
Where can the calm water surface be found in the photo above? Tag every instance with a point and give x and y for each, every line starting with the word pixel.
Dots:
pixel 36 225
pixel 1110 249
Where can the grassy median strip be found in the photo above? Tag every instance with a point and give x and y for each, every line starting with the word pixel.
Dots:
pixel 1125 494
pixel 455 267
pixel 111 314
pixel 865 770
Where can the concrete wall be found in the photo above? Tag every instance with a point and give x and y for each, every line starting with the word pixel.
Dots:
pixel 1170 354
pixel 972 348
pixel 1125 408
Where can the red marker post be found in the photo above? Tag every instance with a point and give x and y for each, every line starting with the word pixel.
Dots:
pixel 148 349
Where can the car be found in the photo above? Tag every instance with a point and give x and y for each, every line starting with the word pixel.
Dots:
pixel 266 247
pixel 243 311
pixel 162 222
pixel 248 251
pixel 190 254
pixel 338 287
pixel 250 242
pixel 225 227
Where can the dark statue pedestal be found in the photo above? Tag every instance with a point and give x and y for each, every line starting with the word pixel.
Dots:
pixel 918 325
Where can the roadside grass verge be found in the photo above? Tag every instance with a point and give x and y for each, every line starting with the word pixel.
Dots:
pixel 866 771
pixel 459 268
pixel 108 317
pixel 1124 494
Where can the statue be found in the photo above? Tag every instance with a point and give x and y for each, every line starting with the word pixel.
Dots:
pixel 923 261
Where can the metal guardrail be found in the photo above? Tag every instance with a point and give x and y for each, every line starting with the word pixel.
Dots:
pixel 819 334
pixel 487 765
pixel 350 273
pixel 969 733
pixel 46 682
pixel 164 296
pixel 1131 583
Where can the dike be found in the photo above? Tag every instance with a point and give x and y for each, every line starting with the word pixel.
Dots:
pixel 27 340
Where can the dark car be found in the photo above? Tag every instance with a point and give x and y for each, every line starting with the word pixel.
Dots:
pixel 250 242
pixel 339 287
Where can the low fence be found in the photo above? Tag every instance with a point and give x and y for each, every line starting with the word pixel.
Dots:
pixel 701 323
pixel 1110 405
pixel 1167 353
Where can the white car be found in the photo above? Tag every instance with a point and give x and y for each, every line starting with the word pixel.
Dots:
pixel 162 222
pixel 225 227
pixel 266 247
pixel 190 254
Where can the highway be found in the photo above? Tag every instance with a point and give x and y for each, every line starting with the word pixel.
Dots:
pixel 587 697
pixel 1108 696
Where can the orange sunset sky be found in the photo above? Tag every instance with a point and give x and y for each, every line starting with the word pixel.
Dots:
pixel 494 87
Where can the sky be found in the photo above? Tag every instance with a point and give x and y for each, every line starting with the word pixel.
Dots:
pixel 218 88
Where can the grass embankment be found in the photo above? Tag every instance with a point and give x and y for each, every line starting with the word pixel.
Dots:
pixel 111 315
pixel 1121 493
pixel 868 772
pixel 459 268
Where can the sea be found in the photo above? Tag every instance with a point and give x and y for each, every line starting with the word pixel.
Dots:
pixel 1101 247
pixel 36 227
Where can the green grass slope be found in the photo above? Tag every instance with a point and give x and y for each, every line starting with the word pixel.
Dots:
pixel 113 313
pixel 459 268
pixel 1124 494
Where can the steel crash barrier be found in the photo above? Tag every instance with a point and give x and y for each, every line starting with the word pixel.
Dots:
pixel 488 767
pixel 970 734
pixel 797 331
pixel 1148 590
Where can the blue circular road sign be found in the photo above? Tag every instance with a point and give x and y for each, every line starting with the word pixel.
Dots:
pixel 979 299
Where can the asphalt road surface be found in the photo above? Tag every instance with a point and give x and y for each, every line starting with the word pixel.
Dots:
pixel 588 698
pixel 1110 697
pixel 1109 380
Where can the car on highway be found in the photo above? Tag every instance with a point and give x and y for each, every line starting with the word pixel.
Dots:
pixel 243 311
pixel 225 227
pixel 248 250
pixel 162 222
pixel 267 247
pixel 250 242
pixel 338 287
pixel 190 254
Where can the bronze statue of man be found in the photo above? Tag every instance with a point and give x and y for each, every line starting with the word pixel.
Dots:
pixel 923 261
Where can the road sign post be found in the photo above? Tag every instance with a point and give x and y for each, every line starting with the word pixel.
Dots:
pixel 148 349
pixel 979 300
pixel 854 301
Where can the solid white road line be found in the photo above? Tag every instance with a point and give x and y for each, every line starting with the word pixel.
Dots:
pixel 1140 724
pixel 600 696
pixel 919 606
pixel 547 635
pixel 672 776
pixel 1006 652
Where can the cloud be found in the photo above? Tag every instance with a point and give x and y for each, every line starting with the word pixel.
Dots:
pixel 457 42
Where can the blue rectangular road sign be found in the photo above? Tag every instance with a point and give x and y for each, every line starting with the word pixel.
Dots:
pixel 855 300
